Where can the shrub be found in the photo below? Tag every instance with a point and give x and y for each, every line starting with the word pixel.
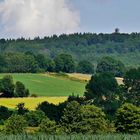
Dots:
pixel 71 117
pixel 92 120
pixel 47 126
pixel 4 113
pixel 128 119
pixel 15 125
pixel 34 118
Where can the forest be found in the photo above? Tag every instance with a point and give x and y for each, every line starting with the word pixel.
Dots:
pixel 81 46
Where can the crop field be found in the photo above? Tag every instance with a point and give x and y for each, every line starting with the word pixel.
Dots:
pixel 30 103
pixel 71 137
pixel 47 85
pixel 87 77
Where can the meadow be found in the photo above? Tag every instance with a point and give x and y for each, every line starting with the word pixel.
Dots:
pixel 71 137
pixel 50 86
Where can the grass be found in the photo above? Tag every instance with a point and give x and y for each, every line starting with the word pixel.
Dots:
pixel 47 85
pixel 70 137
pixel 30 103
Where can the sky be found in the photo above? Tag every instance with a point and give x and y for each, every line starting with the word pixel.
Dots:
pixel 31 18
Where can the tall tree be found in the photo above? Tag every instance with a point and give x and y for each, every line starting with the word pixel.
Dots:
pixel 64 63
pixel 132 86
pixel 108 64
pixel 7 86
pixel 102 89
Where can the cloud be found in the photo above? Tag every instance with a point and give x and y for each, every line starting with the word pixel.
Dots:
pixel 30 18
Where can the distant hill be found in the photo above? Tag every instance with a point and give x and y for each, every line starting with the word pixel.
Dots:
pixel 87 46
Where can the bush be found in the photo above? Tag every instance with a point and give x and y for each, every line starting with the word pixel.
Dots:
pixel 4 113
pixel 71 117
pixel 128 119
pixel 48 126
pixel 21 110
pixel 15 125
pixel 92 120
pixel 34 118
pixel 50 110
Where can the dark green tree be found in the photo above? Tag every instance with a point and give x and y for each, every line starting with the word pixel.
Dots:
pixel 102 89
pixel 64 63
pixel 21 110
pixel 132 86
pixel 34 118
pixel 108 64
pixel 50 110
pixel 85 67
pixel 7 86
pixel 20 90
pixel 5 113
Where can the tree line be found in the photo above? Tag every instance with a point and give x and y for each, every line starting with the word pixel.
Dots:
pixel 121 46
pixel 31 63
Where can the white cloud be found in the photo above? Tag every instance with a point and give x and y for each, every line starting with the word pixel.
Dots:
pixel 30 18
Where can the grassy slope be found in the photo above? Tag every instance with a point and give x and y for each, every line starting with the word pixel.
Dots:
pixel 45 85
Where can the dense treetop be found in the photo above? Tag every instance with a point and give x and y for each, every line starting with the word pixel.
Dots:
pixel 86 46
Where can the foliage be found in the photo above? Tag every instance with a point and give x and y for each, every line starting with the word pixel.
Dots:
pixel 108 64
pixel 15 125
pixel 34 118
pixel 85 67
pixel 47 126
pixel 7 86
pixel 102 89
pixel 93 120
pixel 71 117
pixel 128 119
pixel 132 86
pixel 52 111
pixel 20 90
pixel 9 89
pixel 64 63
pixel 5 113
pixel 21 110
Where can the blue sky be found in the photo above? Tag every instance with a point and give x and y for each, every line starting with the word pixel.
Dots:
pixel 106 15
pixel 30 18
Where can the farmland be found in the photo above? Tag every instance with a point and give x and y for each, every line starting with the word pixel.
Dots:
pixel 47 85
pixel 30 103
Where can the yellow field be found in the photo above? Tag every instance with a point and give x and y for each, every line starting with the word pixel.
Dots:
pixel 83 77
pixel 30 103
pixel 87 77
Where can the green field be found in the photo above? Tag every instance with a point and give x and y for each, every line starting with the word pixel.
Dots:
pixel 46 85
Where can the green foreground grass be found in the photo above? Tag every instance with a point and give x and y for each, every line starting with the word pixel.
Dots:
pixel 71 137
pixel 46 85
